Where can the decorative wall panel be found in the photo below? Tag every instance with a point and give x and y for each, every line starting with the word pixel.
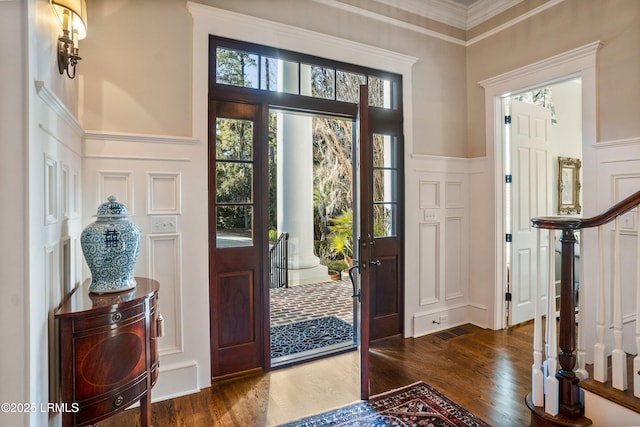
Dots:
pixel 165 259
pixel 66 191
pixel 454 195
pixel 50 190
pixel 119 184
pixel 429 263
pixel 164 193
pixel 454 260
pixel 429 194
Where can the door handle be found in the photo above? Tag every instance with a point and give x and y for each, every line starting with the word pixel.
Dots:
pixel 375 263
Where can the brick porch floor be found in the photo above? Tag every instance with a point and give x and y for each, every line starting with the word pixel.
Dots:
pixel 312 301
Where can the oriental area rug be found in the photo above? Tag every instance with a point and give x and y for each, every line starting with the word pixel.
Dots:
pixel 416 405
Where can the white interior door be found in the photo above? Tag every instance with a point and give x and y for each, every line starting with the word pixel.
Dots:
pixel 530 197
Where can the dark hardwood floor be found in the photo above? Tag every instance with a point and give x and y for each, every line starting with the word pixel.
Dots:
pixel 487 372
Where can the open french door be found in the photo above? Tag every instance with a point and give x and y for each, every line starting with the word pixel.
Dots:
pixel 380 228
pixel 237 200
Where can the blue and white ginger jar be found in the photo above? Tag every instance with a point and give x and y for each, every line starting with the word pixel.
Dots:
pixel 111 246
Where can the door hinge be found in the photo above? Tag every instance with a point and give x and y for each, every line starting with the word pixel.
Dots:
pixel 508 237
pixel 508 179
pixel 507 120
pixel 507 296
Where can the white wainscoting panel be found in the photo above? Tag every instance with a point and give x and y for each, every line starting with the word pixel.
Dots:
pixel 429 263
pixel 454 258
pixel 50 189
pixel 116 183
pixel 455 198
pixel 165 259
pixel 164 193
pixel 429 194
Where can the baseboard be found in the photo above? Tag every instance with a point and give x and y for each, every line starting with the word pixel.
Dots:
pixel 175 380
pixel 437 320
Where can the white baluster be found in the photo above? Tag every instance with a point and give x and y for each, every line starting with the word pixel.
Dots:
pixel 581 371
pixel 537 376
pixel 636 359
pixel 600 348
pixel 551 402
pixel 618 356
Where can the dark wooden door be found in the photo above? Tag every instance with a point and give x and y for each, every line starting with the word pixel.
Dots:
pixel 236 237
pixel 381 213
pixel 363 226
pixel 380 227
pixel 385 236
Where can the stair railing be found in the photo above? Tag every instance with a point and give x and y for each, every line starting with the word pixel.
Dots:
pixel 278 262
pixel 558 392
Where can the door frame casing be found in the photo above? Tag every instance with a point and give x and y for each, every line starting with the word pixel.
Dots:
pixel 579 62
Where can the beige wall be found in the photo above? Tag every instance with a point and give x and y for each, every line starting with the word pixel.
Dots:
pixel 568 25
pixel 137 62
pixel 136 67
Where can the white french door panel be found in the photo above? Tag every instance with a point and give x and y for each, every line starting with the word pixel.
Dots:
pixel 531 197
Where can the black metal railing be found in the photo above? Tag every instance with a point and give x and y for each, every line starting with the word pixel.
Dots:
pixel 278 264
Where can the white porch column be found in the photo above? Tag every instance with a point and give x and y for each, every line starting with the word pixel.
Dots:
pixel 295 184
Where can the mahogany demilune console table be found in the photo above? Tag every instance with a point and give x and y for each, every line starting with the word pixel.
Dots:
pixel 108 352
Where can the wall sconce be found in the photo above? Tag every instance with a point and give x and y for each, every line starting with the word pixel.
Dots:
pixel 72 15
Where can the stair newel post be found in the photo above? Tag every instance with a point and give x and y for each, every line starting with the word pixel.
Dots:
pixel 570 404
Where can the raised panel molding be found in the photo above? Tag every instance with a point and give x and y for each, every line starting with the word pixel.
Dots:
pixel 165 259
pixel 164 193
pixel 119 184
pixel 429 194
pixel 429 251
pixel 50 190
pixel 454 195
pixel 455 260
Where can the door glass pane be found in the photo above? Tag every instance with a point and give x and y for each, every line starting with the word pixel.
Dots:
pixel 233 182
pixel 279 75
pixel 384 219
pixel 348 86
pixel 384 151
pixel 234 139
pixel 237 68
pixel 317 81
pixel 234 226
pixel 379 92
pixel 384 185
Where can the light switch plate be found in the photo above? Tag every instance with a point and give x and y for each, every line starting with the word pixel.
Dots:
pixel 164 224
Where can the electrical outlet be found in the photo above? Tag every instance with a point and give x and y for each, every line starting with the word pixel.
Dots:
pixel 164 224
pixel 444 319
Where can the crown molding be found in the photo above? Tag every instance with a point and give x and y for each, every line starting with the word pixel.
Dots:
pixel 392 21
pixel 445 11
pixel 452 13
pixel 483 10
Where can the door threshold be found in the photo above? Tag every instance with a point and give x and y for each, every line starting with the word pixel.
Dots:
pixel 309 355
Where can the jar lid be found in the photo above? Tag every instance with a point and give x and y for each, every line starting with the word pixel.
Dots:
pixel 112 209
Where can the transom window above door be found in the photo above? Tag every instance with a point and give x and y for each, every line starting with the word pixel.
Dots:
pixel 261 68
